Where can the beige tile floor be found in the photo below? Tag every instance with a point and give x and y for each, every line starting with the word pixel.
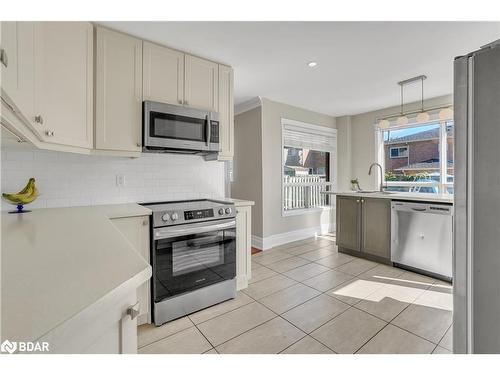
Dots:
pixel 305 297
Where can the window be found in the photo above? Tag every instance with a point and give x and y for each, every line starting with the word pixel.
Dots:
pixel 307 155
pixel 418 158
pixel 399 152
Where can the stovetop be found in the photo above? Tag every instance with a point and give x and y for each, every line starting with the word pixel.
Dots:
pixel 189 211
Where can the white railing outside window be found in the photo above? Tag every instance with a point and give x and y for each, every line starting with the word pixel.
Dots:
pixel 303 192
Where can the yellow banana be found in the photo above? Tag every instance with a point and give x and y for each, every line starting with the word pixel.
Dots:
pixel 27 195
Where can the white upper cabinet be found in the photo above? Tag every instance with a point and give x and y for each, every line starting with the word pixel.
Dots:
pixel 63 83
pixel 201 83
pixel 16 65
pixel 118 124
pixel 226 113
pixel 163 74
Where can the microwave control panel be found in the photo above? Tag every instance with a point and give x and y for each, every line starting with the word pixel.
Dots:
pixel 214 131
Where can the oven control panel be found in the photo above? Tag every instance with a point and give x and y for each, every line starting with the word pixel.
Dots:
pixel 175 215
pixel 198 214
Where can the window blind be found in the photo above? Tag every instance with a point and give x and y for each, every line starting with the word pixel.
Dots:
pixel 298 136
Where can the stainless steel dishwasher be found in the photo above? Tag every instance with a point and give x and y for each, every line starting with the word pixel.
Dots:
pixel 422 235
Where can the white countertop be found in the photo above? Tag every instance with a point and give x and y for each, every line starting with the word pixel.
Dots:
pixel 58 261
pixel 420 197
pixel 115 211
pixel 239 202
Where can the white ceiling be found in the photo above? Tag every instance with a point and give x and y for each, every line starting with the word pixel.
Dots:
pixel 359 63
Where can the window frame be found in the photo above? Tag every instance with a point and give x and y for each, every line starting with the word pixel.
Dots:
pixel 332 164
pixel 442 185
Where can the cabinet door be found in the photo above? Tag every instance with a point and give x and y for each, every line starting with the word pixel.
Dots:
pixel 243 246
pixel 16 66
pixel 348 222
pixel 201 83
pixel 136 231
pixel 163 74
pixel 118 92
pixel 226 113
pixel 63 94
pixel 376 227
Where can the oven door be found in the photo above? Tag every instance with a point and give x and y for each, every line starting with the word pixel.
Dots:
pixel 192 256
pixel 180 128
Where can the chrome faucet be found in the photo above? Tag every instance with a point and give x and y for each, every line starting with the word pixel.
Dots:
pixel 381 187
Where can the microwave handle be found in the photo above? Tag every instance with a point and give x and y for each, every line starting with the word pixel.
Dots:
pixel 169 232
pixel 208 125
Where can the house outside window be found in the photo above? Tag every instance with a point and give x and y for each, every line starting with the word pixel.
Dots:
pixel 418 158
pixel 308 166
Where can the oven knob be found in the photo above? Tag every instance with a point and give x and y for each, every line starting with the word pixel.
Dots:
pixel 175 216
pixel 165 217
pixel 221 211
pixel 228 211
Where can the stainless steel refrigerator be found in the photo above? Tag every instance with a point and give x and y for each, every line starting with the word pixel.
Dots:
pixel 476 268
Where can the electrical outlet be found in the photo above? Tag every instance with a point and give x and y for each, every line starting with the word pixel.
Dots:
pixel 120 180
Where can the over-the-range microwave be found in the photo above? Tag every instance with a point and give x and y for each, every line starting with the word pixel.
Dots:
pixel 174 128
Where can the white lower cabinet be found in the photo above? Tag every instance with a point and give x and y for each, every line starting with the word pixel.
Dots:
pixel 106 327
pixel 136 231
pixel 243 245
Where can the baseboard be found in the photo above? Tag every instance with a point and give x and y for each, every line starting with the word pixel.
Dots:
pixel 266 243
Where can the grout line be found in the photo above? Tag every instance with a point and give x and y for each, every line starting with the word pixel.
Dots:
pixel 258 325
pixel 165 337
pixel 371 338
pixel 199 330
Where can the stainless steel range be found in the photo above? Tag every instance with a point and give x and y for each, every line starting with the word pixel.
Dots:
pixel 193 255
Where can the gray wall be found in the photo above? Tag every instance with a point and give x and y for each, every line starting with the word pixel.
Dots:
pixel 363 138
pixel 247 163
pixel 273 222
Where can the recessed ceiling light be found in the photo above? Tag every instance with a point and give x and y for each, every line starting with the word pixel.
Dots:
pixel 312 64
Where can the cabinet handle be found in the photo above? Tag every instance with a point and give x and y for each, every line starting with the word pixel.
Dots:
pixel 139 145
pixel 39 119
pixel 145 222
pixel 357 200
pixel 3 57
pixel 362 201
pixel 133 311
pixel 49 133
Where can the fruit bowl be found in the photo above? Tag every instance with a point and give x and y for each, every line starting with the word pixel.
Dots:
pixel 27 195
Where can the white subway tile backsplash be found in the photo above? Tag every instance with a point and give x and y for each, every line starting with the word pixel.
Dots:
pixel 66 179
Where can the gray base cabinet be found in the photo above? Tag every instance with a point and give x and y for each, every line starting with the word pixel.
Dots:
pixel 348 222
pixel 364 227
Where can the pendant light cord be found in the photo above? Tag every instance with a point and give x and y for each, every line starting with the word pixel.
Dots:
pixel 402 99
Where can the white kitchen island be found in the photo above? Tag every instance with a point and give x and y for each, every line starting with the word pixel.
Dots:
pixel 70 278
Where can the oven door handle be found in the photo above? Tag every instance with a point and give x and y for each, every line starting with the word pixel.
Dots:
pixel 185 230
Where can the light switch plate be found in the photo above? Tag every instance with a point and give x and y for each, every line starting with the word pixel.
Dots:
pixel 120 180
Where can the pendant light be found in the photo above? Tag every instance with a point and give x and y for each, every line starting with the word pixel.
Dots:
pixel 402 119
pixel 423 116
pixel 384 124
